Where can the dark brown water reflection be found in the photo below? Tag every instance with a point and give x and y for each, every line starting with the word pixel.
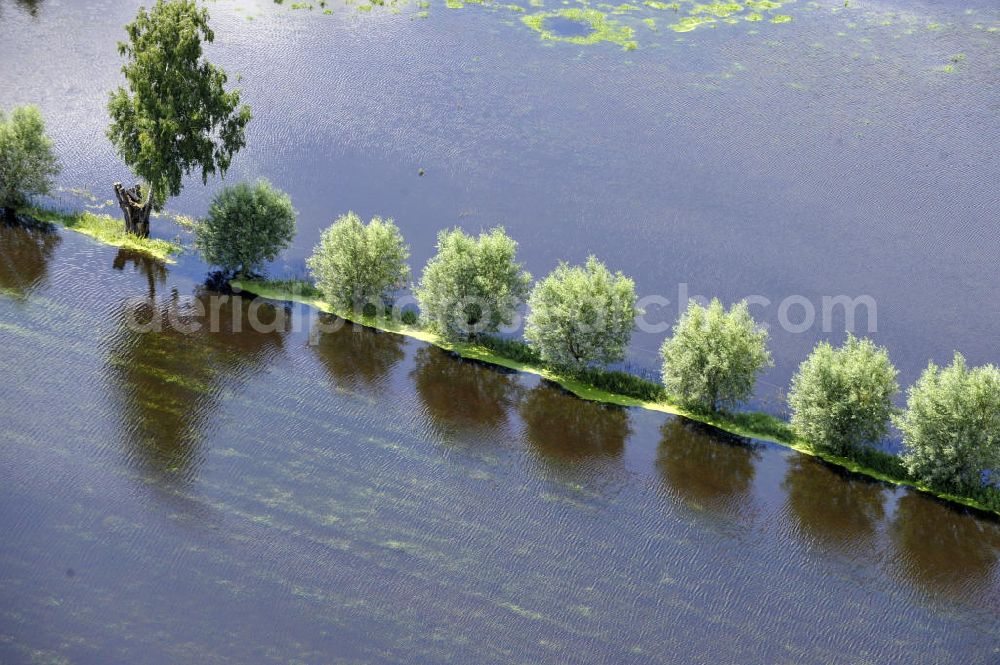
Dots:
pixel 826 156
pixel 707 468
pixel 833 506
pixel 356 358
pixel 308 495
pixel 564 429
pixel 168 377
pixel 26 253
pixel 462 399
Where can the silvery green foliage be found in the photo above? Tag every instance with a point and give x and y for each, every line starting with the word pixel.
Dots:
pixel 951 425
pixel 579 315
pixel 356 264
pixel 842 398
pixel 472 285
pixel 247 226
pixel 27 164
pixel 714 356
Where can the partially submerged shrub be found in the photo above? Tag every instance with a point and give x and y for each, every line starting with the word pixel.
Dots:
pixel 579 315
pixel 409 317
pixel 357 264
pixel 951 426
pixel 622 383
pixel 714 356
pixel 472 285
pixel 842 398
pixel 27 163
pixel 247 226
pixel 297 287
pixel 512 349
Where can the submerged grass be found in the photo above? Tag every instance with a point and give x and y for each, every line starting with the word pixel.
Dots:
pixel 625 389
pixel 602 29
pixel 106 229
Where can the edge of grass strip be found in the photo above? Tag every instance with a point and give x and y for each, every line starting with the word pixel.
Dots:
pixel 107 230
pixel 740 424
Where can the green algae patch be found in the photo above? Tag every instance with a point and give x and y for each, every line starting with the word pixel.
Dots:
pixel 602 29
pixel 717 9
pixel 762 5
pixel 954 60
pixel 689 23
pixel 754 425
pixel 731 13
pixel 625 9
pixel 109 231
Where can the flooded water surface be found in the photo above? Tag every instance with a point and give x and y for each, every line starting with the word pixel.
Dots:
pixel 317 492
pixel 307 495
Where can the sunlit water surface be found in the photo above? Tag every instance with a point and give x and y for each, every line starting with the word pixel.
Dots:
pixel 300 496
pixel 830 155
pixel 350 496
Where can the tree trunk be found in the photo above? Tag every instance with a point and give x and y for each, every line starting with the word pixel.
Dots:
pixel 136 210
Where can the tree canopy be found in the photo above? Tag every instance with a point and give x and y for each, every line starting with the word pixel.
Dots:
pixel 714 356
pixel 842 398
pixel 580 315
pixel 951 425
pixel 472 285
pixel 247 225
pixel 357 264
pixel 27 163
pixel 174 116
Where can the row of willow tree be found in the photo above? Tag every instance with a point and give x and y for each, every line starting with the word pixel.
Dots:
pixel 175 117
pixel 580 319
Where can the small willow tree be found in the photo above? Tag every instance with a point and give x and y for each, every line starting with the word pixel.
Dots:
pixel 951 425
pixel 579 315
pixel 472 285
pixel 174 115
pixel 714 356
pixel 358 265
pixel 841 398
pixel 27 163
pixel 247 226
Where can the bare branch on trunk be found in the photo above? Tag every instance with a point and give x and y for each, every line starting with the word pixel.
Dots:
pixel 136 210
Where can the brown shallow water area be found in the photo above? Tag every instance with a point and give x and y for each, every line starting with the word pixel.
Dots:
pixel 306 495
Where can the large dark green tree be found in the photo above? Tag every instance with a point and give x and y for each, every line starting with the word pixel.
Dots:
pixel 174 116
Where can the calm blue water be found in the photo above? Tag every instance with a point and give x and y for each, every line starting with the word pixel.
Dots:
pixel 243 498
pixel 822 157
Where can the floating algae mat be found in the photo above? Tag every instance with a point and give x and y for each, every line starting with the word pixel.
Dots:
pixel 563 27
pixel 582 22
pixel 580 26
pixel 638 24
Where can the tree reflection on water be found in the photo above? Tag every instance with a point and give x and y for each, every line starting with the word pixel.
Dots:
pixel 355 357
pixel 168 384
pixel 944 549
pixel 27 250
pixel 563 427
pixel 462 399
pixel 707 467
pixel 832 505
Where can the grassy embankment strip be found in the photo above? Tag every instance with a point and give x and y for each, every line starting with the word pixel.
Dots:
pixel 107 230
pixel 761 426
